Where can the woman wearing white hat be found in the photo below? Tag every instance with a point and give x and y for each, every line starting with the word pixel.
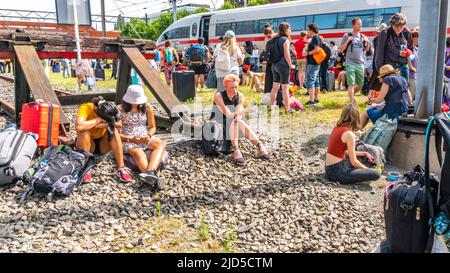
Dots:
pixel 138 130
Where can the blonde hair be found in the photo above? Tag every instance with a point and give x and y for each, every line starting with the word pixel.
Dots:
pixel 230 78
pixel 230 44
pixel 349 117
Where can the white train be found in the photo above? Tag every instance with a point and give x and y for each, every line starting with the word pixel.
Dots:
pixel 332 16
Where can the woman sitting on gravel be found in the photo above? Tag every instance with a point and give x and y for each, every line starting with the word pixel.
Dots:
pixel 342 142
pixel 394 93
pixel 227 110
pixel 138 134
pixel 97 132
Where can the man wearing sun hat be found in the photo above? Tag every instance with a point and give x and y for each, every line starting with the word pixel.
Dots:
pixel 394 94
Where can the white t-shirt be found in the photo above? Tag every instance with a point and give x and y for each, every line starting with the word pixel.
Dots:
pixel 255 53
pixel 233 62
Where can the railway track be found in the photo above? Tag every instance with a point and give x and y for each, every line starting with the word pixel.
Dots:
pixel 58 91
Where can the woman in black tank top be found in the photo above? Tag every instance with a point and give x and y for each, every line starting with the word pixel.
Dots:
pixel 227 111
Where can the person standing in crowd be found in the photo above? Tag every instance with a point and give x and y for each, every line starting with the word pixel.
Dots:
pixel 301 60
pixel 342 143
pixel 228 57
pixel 198 55
pixel 158 60
pixel 227 111
pixel 169 59
pixel 255 56
pixel 412 63
pixel 394 93
pixel 334 53
pixel 375 84
pixel 65 68
pixel 355 46
pixel 84 71
pixel 8 65
pixel 313 68
pixel 323 71
pixel 115 64
pixel 394 45
pixel 281 68
pixel 248 54
pixel 2 66
pixel 268 80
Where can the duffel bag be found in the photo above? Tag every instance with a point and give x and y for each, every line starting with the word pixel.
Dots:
pixel 17 149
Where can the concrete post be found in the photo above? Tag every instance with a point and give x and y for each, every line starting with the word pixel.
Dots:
pixel 433 27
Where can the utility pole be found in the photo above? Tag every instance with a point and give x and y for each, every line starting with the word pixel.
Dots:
pixel 103 18
pixel 174 3
pixel 77 34
pixel 433 27
pixel 146 17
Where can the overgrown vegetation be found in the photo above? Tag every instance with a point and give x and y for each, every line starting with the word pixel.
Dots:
pixel 230 236
pixel 203 229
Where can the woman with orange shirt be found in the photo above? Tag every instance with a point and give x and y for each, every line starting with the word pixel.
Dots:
pixel 342 143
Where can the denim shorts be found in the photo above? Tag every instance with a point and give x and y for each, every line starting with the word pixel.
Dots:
pixel 312 76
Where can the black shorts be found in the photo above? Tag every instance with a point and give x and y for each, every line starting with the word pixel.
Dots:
pixel 198 69
pixel 281 72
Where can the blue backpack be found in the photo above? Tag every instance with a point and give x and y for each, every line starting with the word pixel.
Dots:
pixel 197 53
pixel 168 54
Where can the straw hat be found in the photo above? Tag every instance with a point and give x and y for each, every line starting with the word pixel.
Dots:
pixel 135 95
pixel 386 70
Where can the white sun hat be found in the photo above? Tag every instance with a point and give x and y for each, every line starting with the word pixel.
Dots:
pixel 135 95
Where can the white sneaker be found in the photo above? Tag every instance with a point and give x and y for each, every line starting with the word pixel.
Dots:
pixel 342 88
pixel 197 90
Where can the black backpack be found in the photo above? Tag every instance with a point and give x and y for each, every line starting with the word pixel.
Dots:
pixel 327 49
pixel 274 51
pixel 350 44
pixel 59 171
pixel 211 135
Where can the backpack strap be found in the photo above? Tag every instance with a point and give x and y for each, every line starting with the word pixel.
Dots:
pixel 90 162
pixel 426 181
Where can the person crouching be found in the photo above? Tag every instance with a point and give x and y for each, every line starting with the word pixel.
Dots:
pixel 97 131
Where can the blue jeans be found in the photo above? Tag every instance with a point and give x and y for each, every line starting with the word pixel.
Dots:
pixel 256 64
pixel 312 76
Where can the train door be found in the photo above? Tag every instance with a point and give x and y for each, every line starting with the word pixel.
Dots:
pixel 204 28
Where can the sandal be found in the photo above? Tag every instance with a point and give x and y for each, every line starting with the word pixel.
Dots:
pixel 239 161
pixel 265 156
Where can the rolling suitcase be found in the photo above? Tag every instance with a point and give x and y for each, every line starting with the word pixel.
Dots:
pixel 100 74
pixel 42 119
pixel 331 81
pixel 184 84
pixel 16 152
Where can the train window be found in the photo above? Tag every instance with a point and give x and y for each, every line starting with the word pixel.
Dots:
pixel 194 29
pixel 341 19
pixel 245 27
pixel 391 11
pixel 309 20
pixel 297 23
pixel 222 28
pixel 326 21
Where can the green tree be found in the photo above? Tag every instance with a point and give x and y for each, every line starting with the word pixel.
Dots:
pixel 257 2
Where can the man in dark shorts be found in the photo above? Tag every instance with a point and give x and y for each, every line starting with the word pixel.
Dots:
pixel 198 55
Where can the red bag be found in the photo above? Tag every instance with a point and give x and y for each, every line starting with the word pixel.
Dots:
pixel 41 118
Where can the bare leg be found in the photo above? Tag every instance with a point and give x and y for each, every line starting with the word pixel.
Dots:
pixel 285 92
pixel 351 93
pixel 250 135
pixel 234 135
pixel 140 158
pixel 202 80
pixel 316 93
pixel 115 144
pixel 158 147
pixel 84 142
pixel 196 80
pixel 274 92
pixel 364 119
